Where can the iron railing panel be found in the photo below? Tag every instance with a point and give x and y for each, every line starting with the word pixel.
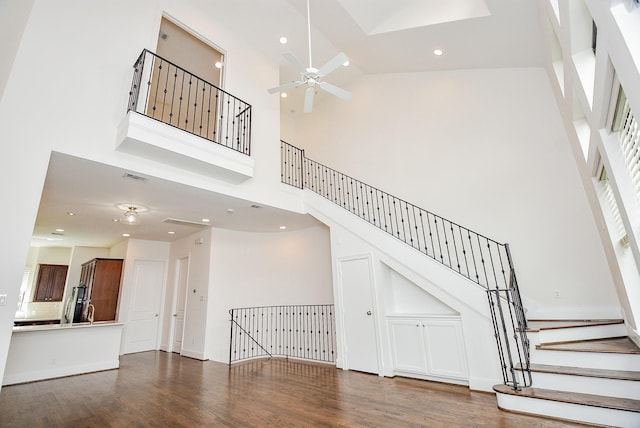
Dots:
pixel 297 331
pixel 166 92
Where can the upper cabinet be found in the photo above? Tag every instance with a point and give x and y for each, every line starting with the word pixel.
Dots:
pixel 50 285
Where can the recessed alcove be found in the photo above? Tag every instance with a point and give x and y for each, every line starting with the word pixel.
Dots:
pixel 405 297
pixel 583 32
pixel 581 126
pixel 557 60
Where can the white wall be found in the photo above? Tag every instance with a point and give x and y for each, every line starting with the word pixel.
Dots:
pixel 264 269
pixel 13 19
pixel 485 149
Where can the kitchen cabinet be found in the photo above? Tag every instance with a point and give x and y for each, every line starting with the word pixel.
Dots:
pixel 430 347
pixel 101 277
pixel 50 284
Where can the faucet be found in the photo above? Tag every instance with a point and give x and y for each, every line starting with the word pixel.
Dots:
pixel 90 310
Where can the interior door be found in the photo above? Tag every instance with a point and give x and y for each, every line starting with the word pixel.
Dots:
pixel 141 330
pixel 180 308
pixel 358 315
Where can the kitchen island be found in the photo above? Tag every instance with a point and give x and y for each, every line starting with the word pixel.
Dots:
pixel 40 352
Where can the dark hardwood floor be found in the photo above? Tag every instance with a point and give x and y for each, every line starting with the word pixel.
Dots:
pixel 156 389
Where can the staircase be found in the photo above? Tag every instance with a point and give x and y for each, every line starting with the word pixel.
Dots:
pixel 583 370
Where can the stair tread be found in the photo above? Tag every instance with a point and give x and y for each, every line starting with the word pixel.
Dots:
pixel 615 403
pixel 580 371
pixel 619 345
pixel 537 325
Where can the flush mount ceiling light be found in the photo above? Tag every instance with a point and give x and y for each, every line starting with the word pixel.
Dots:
pixel 131 212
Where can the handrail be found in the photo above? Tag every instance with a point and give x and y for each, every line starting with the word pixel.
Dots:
pixel 172 95
pixel 297 331
pixel 478 258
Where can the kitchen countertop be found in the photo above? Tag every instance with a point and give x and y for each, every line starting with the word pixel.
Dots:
pixel 58 327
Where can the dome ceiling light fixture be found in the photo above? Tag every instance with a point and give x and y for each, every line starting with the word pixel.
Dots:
pixel 131 213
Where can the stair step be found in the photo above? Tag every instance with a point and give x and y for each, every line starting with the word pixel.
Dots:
pixel 537 325
pixel 613 353
pixel 572 406
pixel 587 372
pixel 618 345
pixel 613 383
pixel 541 331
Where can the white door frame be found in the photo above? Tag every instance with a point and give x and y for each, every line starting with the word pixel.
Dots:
pixel 340 310
pixel 174 304
pixel 129 297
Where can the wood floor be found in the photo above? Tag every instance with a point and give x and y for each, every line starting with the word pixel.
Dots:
pixel 156 389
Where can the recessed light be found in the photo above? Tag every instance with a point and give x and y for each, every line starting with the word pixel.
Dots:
pixel 283 95
pixel 438 52
pixel 59 230
pixel 206 220
pixel 230 210
pixel 126 235
pixel 115 220
pixel 71 213
pixel 171 232
pixel 346 63
pixel 283 40
pixel 283 227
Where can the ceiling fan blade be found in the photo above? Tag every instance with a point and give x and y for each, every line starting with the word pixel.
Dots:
pixel 295 61
pixel 334 63
pixel 338 92
pixel 308 100
pixel 285 86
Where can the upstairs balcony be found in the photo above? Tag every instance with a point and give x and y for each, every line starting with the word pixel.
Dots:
pixel 176 118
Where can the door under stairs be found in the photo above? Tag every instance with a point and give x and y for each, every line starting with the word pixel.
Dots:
pixel 583 370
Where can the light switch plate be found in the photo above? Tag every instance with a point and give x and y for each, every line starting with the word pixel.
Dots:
pixel 3 299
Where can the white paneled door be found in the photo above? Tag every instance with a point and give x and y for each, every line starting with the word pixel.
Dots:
pixel 179 310
pixel 141 329
pixel 358 315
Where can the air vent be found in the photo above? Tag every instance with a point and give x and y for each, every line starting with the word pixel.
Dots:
pixel 57 233
pixel 134 177
pixel 255 206
pixel 185 222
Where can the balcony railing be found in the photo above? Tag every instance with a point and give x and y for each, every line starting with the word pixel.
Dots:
pixel 472 255
pixel 170 94
pixel 298 331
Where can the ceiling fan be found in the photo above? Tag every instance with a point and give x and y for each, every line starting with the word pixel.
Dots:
pixel 312 76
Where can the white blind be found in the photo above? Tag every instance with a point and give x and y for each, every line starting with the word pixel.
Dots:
pixel 629 137
pixel 613 205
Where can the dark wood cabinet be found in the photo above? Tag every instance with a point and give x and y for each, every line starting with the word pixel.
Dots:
pixel 102 279
pixel 50 284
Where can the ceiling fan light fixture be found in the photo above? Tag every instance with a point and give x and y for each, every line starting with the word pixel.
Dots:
pixel 311 76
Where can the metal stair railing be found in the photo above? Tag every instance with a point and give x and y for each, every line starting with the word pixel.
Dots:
pixel 478 258
pixel 297 331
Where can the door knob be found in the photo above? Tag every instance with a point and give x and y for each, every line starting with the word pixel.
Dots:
pixel 156 315
pixel 368 312
pixel 175 315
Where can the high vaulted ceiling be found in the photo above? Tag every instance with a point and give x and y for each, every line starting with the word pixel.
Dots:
pixel 379 36
pixel 393 36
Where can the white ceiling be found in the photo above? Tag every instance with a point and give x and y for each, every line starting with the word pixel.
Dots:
pixel 379 36
pixel 93 191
